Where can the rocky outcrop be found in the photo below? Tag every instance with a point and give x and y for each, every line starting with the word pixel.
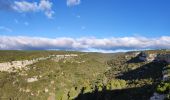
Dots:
pixel 165 73
pixel 147 57
pixel 7 66
pixel 19 64
pixel 59 57
pixel 154 57
pixel 32 79
pixel 16 64
pixel 151 57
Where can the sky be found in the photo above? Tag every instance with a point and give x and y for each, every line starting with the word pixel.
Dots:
pixel 84 25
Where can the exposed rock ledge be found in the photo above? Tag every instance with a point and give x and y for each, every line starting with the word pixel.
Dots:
pixel 154 57
pixel 7 66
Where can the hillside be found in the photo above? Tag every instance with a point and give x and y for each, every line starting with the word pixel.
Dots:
pixel 61 75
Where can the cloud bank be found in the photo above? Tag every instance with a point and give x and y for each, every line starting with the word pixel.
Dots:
pixel 83 44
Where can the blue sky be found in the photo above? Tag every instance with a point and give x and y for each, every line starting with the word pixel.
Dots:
pixel 99 19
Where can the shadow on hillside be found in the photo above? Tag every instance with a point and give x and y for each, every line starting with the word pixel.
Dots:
pixel 151 70
pixel 140 93
pixel 135 60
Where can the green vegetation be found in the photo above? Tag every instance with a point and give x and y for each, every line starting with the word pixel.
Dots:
pixel 88 76
pixel 64 78
pixel 164 87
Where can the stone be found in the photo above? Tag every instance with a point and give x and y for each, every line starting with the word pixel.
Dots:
pixel 33 79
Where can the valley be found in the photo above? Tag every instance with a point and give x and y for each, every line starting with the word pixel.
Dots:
pixel 71 75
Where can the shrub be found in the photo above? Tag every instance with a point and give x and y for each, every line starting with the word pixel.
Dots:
pixel 118 84
pixel 163 87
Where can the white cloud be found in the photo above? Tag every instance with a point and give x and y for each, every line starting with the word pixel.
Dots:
pixel 3 28
pixel 73 2
pixel 46 6
pixel 25 6
pixel 84 44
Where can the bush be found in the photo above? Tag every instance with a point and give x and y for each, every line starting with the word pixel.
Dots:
pixel 163 87
pixel 118 84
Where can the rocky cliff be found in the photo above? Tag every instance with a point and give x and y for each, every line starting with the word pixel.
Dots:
pixel 8 66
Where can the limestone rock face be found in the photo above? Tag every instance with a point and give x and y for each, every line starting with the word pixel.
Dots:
pixel 147 57
pixel 16 64
pixel 7 66
pixel 151 57
pixel 20 64
pixel 154 57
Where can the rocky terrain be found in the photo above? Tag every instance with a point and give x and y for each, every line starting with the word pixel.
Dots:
pixel 8 66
